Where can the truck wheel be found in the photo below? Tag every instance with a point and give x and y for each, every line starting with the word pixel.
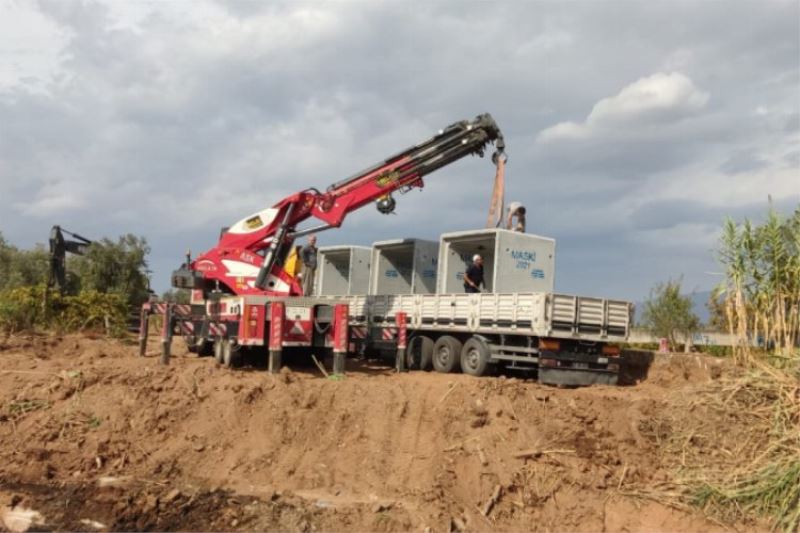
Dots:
pixel 205 348
pixel 475 357
pixel 191 344
pixel 218 355
pixel 446 354
pixel 420 353
pixel 201 347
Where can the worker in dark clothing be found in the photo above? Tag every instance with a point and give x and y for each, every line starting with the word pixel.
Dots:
pixel 308 255
pixel 473 277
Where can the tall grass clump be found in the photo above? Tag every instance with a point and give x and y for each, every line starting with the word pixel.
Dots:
pixel 732 444
pixel 761 290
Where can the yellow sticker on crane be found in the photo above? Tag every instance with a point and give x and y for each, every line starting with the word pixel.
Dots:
pixel 387 177
pixel 253 222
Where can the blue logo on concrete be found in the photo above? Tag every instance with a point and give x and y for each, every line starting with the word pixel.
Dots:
pixel 537 273
pixel 523 255
pixel 391 273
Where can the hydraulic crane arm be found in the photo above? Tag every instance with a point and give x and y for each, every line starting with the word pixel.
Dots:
pixel 248 257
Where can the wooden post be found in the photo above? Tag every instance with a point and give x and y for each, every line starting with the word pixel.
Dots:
pixel 166 335
pixel 144 323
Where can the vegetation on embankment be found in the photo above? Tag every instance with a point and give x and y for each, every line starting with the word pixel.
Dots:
pixel 755 469
pixel 101 287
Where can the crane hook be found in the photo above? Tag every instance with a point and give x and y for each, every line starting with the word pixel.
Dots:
pixel 500 150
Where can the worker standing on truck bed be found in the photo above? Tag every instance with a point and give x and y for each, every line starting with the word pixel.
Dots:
pixel 309 257
pixel 473 277
pixel 516 210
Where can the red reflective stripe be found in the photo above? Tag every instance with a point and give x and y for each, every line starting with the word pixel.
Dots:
pixel 216 328
pixel 277 315
pixel 400 319
pixel 340 327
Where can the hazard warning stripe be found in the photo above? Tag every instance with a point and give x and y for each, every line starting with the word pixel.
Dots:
pixel 389 333
pixel 177 309
pixel 182 309
pixel 216 329
pixel 359 332
pixel 187 327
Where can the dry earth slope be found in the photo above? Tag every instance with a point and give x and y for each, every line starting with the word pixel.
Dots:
pixel 93 437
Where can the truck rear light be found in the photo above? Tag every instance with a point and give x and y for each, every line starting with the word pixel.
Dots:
pixel 611 350
pixel 549 344
pixel 548 362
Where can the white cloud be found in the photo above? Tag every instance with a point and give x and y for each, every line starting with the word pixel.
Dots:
pixel 658 99
pixel 29 46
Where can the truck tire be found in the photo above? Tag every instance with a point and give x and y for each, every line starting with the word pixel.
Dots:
pixel 205 348
pixel 446 354
pixel 201 347
pixel 420 353
pixel 191 344
pixel 475 357
pixel 218 355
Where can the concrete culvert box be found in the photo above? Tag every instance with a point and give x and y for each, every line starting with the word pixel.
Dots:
pixel 512 261
pixel 342 270
pixel 404 266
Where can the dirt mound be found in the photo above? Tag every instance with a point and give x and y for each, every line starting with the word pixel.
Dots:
pixel 132 445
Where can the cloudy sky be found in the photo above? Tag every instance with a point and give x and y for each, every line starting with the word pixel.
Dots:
pixel 633 128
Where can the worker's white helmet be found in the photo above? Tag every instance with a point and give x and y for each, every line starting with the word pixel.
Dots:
pixel 476 257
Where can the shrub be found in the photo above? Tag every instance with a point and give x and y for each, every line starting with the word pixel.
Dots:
pixel 34 307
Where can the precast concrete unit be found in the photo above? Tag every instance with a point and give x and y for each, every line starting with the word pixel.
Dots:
pixel 404 266
pixel 342 270
pixel 512 261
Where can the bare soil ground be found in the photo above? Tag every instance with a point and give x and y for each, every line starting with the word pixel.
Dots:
pixel 93 437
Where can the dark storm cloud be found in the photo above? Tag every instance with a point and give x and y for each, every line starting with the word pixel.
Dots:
pixel 179 123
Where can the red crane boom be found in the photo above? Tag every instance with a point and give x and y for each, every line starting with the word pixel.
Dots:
pixel 249 256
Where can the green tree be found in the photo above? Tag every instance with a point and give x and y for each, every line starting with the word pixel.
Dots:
pixel 115 267
pixel 21 268
pixel 178 296
pixel 668 314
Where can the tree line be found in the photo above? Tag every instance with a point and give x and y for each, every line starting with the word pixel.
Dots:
pixel 101 286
